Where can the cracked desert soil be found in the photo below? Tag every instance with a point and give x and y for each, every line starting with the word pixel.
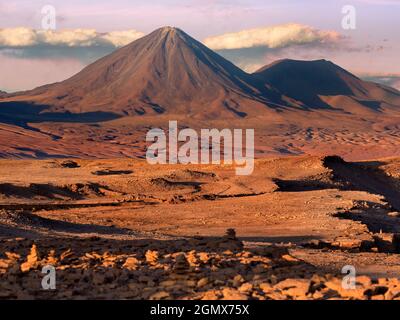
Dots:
pixel 131 227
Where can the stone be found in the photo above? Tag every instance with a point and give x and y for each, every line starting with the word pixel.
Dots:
pixel 394 214
pixel 93 255
pixel 238 278
pixel 334 284
pixel 257 296
pixel 391 282
pixel 266 287
pixel 204 257
pixel 276 295
pixel 294 287
pixel 378 297
pixel 211 295
pixel 189 283
pixel 347 243
pixel 202 282
pixel 245 254
pixel 69 164
pixel 66 255
pixel 4 263
pixel 192 259
pixel 317 244
pixel 51 258
pixel 159 295
pixel 151 257
pixel 131 263
pixel 13 256
pixel 32 260
pixel 245 288
pixel 230 234
pixel 260 268
pixel 318 295
pixel 181 265
pixel 273 279
pixel 290 258
pixel 168 283
pixel 233 294
pixel 364 281
pixel 356 294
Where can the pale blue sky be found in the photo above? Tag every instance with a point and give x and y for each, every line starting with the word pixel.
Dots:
pixel 373 47
pixel 204 17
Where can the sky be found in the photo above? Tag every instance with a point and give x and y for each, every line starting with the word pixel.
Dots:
pixel 250 33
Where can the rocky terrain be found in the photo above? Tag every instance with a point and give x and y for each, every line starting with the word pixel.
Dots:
pixel 124 229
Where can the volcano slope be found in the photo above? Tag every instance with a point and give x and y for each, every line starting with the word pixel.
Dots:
pixel 126 229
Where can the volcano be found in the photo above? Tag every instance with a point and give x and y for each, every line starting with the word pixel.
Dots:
pixel 169 72
pixel 295 107
pixel 166 71
pixel 321 84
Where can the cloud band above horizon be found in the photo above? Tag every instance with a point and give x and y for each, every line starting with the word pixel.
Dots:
pixel 26 37
pixel 38 55
pixel 279 36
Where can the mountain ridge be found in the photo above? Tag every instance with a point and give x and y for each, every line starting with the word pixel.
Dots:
pixel 316 83
pixel 169 72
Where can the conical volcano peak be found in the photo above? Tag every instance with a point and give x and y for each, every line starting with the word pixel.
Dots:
pixel 164 71
pixel 167 35
pixel 169 32
pixel 168 29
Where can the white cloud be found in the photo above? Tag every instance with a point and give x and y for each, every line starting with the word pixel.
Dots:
pixel 26 37
pixel 121 38
pixel 16 37
pixel 279 36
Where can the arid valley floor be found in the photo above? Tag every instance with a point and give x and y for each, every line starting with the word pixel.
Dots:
pixel 123 229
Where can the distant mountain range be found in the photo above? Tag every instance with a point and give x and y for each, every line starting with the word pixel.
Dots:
pixel 105 111
pixel 169 72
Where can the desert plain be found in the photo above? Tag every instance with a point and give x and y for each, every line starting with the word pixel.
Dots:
pixel 125 229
